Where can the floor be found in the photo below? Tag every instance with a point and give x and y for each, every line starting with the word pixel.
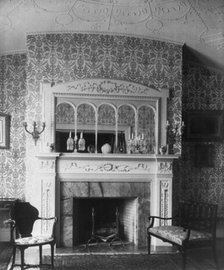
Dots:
pixel 32 254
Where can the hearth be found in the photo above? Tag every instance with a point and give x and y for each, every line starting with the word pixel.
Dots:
pixel 98 220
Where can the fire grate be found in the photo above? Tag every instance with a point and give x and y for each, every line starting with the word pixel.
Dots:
pixel 106 234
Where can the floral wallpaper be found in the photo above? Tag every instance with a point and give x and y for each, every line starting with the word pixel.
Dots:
pixel 12 102
pixel 57 58
pixel 60 58
pixel 202 90
pixel 66 57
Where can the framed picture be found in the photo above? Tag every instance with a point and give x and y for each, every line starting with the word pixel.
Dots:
pixel 4 130
pixel 204 155
pixel 204 125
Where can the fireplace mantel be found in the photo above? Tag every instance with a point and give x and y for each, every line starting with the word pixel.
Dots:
pixel 110 167
pixel 57 169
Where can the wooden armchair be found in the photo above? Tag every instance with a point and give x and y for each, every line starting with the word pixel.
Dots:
pixel 194 225
pixel 24 216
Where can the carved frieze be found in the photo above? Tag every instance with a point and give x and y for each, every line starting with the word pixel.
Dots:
pixel 109 87
pixel 105 167
pixel 165 167
pixel 47 166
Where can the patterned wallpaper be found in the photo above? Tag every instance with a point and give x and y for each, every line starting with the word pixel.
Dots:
pixel 203 89
pixel 67 57
pixel 12 102
pixel 59 58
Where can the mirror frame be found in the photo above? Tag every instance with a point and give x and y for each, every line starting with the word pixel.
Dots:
pixel 96 92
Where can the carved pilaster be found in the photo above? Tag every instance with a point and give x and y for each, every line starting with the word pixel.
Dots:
pixel 164 199
pixel 47 177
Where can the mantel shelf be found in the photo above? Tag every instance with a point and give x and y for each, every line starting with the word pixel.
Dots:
pixel 88 156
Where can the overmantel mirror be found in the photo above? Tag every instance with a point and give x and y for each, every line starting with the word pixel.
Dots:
pixel 108 124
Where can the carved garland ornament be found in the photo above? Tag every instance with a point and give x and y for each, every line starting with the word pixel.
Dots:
pixel 107 167
pixel 108 87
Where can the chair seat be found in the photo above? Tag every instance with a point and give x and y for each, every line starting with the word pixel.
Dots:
pixel 33 240
pixel 178 234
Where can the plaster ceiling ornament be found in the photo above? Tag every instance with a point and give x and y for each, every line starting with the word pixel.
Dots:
pixel 197 23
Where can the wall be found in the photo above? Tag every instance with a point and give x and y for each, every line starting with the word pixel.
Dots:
pixel 58 58
pixel 160 66
pixel 68 57
pixel 12 101
pixel 202 90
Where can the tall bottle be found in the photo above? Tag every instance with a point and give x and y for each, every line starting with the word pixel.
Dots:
pixel 121 147
pixel 70 142
pixel 81 143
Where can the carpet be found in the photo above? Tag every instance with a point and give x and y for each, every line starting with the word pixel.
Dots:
pixel 5 255
pixel 129 262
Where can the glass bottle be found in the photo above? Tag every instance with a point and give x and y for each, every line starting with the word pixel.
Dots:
pixel 70 142
pixel 81 143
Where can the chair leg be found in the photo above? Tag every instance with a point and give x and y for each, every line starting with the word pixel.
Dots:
pixel 184 257
pixel 149 244
pixel 215 254
pixel 52 255
pixel 13 257
pixel 40 255
pixel 22 253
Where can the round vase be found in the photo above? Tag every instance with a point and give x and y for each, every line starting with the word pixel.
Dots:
pixel 106 148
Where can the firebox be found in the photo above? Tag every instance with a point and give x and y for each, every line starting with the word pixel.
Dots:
pixel 104 219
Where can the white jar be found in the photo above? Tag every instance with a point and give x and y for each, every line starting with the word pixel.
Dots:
pixel 106 148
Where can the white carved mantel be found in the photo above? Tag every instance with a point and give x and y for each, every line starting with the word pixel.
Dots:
pixel 55 168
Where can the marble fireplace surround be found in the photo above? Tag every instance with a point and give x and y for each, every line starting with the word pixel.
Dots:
pixel 66 176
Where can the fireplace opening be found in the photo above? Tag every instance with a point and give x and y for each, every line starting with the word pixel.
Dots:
pixel 111 216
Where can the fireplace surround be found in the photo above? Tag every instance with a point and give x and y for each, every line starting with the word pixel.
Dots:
pixel 65 177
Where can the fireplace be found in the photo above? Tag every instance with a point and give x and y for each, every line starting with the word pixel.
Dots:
pixel 132 200
pixel 143 183
pixel 137 180
pixel 108 216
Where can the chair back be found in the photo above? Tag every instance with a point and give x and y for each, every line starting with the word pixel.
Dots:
pixel 198 215
pixel 24 215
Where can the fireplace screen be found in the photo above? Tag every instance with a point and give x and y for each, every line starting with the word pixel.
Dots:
pixel 104 219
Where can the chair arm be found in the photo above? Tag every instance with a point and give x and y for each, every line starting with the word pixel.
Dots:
pixel 12 224
pixel 54 223
pixel 50 218
pixel 10 221
pixel 152 220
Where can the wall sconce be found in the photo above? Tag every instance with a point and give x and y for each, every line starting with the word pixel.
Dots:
pixel 35 133
pixel 174 131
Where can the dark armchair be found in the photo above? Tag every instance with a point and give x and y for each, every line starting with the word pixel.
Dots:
pixel 24 217
pixel 195 225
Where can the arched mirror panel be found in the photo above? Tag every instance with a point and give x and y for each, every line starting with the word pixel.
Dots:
pixel 65 126
pixel 122 126
pixel 126 127
pixel 85 140
pixel 146 130
pixel 106 129
pixel 105 112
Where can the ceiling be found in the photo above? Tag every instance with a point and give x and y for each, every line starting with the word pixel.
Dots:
pixel 197 23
